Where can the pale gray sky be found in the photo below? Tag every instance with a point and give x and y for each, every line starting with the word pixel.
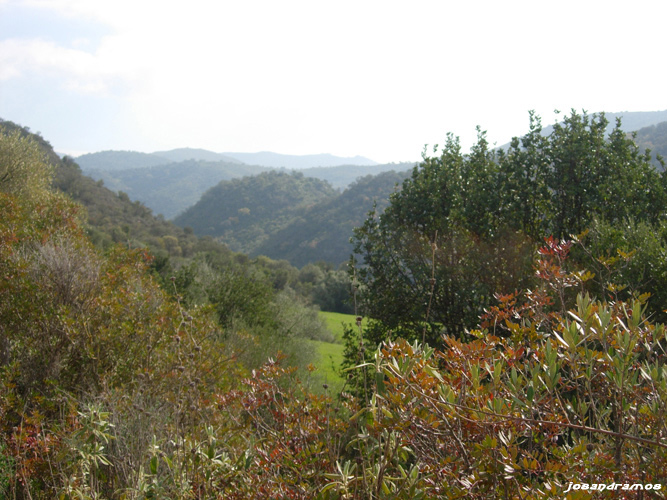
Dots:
pixel 372 78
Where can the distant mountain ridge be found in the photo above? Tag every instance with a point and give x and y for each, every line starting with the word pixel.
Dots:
pixel 170 189
pixel 277 160
pixel 342 176
pixel 123 160
pixel 185 154
pixel 110 161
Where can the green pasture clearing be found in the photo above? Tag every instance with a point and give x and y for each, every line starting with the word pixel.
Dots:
pixel 331 354
pixel 328 364
pixel 335 321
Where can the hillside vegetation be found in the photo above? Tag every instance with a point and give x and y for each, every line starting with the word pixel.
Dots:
pixel 507 339
pixel 243 213
pixel 322 231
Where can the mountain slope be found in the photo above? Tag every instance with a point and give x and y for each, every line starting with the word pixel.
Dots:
pixel 342 176
pixel 118 160
pixel 243 213
pixel 323 231
pixel 184 154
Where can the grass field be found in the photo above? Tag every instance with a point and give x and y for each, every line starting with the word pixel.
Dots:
pixel 335 322
pixel 331 354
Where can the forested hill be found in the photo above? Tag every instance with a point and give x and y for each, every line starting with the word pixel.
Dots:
pixel 289 216
pixel 110 161
pixel 243 213
pixel 323 232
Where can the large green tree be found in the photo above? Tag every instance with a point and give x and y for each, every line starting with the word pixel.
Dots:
pixel 464 226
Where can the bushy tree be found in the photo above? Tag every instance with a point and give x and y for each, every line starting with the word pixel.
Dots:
pixel 464 226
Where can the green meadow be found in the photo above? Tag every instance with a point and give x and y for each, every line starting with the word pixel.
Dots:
pixel 331 354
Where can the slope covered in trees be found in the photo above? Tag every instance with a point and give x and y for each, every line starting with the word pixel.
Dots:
pixel 243 213
pixel 322 232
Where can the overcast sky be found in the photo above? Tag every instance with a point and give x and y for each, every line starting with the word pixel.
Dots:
pixel 373 78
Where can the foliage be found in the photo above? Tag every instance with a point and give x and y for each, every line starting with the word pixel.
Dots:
pixel 24 170
pixel 112 387
pixel 540 398
pixel 85 337
pixel 626 259
pixel 464 226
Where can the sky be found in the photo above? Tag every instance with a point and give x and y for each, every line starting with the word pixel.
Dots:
pixel 380 79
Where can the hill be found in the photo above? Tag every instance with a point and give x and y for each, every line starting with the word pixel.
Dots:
pixel 243 213
pixel 112 218
pixel 119 160
pixel 323 231
pixel 123 160
pixel 170 189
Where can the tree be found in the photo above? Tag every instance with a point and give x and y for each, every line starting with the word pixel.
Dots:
pixel 464 226
pixel 24 168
